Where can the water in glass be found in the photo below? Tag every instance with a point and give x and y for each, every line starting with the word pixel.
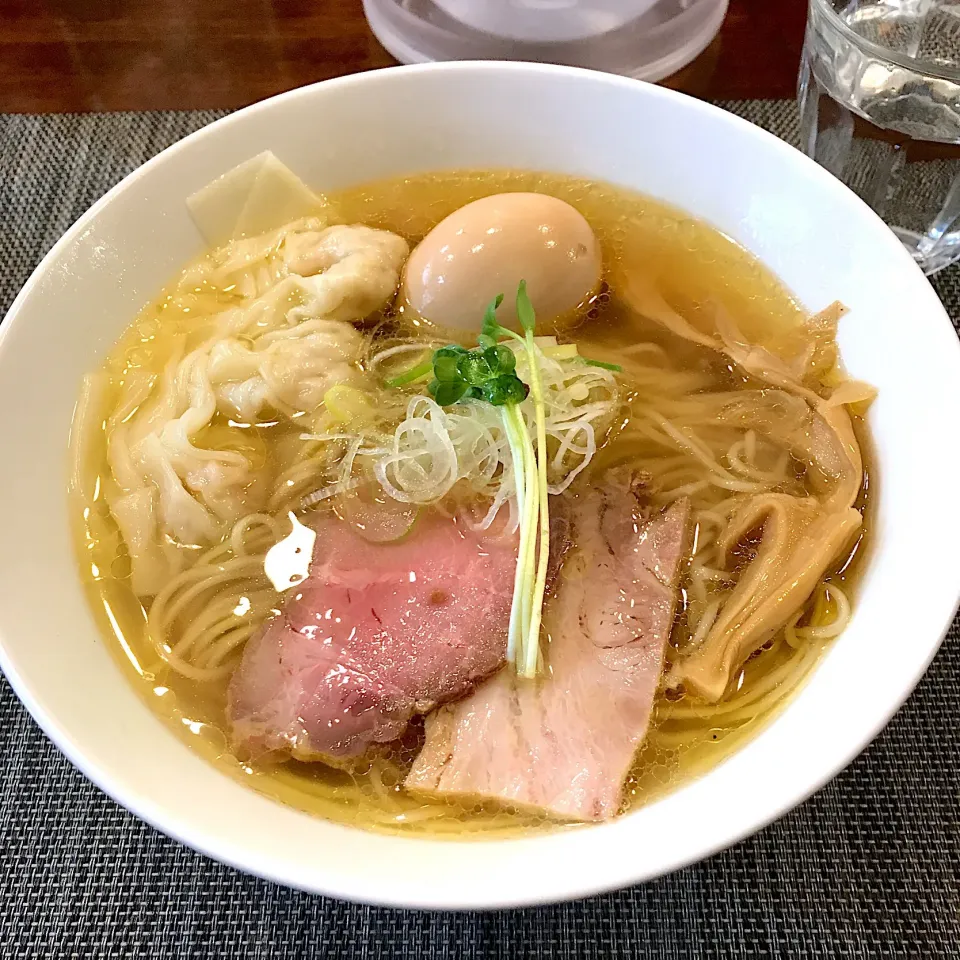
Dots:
pixel 880 108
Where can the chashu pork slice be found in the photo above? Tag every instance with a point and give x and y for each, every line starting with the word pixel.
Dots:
pixel 563 744
pixel 376 633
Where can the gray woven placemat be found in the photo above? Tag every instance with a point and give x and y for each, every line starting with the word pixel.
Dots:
pixel 867 868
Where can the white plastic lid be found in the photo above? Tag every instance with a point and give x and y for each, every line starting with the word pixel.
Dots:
pixel 644 39
pixel 545 21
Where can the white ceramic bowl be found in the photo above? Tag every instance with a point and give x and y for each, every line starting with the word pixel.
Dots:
pixel 822 241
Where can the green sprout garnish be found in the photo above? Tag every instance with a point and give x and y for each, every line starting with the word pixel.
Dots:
pixel 486 373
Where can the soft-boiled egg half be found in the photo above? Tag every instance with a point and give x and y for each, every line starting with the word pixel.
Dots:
pixel 487 247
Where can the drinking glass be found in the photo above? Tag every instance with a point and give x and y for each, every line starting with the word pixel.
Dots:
pixel 879 95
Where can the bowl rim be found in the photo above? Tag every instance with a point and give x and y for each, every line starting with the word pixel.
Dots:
pixel 234 854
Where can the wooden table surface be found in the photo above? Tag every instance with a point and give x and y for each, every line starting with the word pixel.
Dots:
pixel 81 55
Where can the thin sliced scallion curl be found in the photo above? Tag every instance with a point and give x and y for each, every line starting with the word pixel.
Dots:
pixel 525 610
pixel 512 422
pixel 531 660
pixel 523 643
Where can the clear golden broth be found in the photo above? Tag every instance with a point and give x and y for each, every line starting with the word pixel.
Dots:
pixel 693 263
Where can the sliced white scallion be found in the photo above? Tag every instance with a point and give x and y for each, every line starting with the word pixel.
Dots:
pixel 533 553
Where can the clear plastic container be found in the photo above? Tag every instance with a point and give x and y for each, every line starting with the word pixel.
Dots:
pixel 645 39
